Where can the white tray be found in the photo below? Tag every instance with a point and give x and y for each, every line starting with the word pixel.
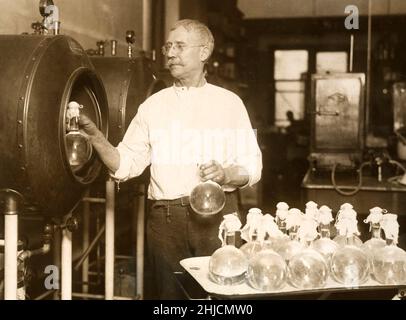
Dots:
pixel 198 268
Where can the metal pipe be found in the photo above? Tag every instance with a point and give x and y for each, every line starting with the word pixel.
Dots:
pixel 45 294
pixel 351 52
pixel 97 296
pixel 12 203
pixel 94 200
pixel 85 242
pixel 89 249
pixel 66 293
pixel 57 256
pixel 29 253
pixel 368 84
pixel 140 239
pixel 146 25
pixel 109 262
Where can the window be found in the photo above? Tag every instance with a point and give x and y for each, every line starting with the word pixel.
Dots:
pixel 289 68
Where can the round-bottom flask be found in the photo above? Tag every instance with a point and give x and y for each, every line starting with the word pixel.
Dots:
pixel 228 266
pixel 389 265
pixel 266 271
pixel 350 266
pixel 308 270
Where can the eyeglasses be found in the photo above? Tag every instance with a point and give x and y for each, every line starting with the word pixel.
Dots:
pixel 179 47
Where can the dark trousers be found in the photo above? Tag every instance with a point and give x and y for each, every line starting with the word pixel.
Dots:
pixel 175 232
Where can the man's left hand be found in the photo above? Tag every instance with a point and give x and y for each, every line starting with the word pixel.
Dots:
pixel 215 172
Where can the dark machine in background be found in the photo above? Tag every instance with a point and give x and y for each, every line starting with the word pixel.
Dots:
pixel 347 163
pixel 40 75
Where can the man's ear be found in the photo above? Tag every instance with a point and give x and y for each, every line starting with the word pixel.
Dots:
pixel 204 53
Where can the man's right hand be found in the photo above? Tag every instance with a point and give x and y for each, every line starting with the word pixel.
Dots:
pixel 87 125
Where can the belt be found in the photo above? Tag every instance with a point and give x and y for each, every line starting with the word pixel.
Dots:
pixel 183 201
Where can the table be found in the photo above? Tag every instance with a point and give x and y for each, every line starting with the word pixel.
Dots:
pixel 318 188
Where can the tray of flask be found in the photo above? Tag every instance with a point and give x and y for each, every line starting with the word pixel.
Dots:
pixel 198 268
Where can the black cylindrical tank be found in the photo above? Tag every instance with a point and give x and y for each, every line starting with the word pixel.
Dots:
pixel 128 82
pixel 39 76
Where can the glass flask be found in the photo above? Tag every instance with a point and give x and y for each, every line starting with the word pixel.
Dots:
pixel 270 233
pixel 228 265
pixel 249 233
pixel 78 147
pixel 324 245
pixel 376 241
pixel 207 198
pixel 308 269
pixel 266 271
pixel 349 264
pixel 288 249
pixel 311 210
pixel 282 210
pixel 346 211
pixel 389 262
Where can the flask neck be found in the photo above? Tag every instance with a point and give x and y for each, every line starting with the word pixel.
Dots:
pixel 73 124
pixel 325 230
pixel 282 225
pixel 229 238
pixel 293 233
pixel 376 230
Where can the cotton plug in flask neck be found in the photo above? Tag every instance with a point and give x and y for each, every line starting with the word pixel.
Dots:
pixel 228 265
pixel 349 264
pixel 308 269
pixel 324 245
pixel 389 262
pixel 376 242
pixel 78 148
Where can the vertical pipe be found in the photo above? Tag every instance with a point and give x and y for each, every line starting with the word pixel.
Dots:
pixel 10 246
pixel 57 257
pixel 140 240
pixel 66 293
pixel 109 262
pixel 146 25
pixel 85 242
pixel 368 84
pixel 351 52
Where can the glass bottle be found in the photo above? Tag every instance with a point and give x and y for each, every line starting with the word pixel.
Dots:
pixel 308 269
pixel 291 247
pixel 282 211
pixel 207 198
pixel 376 241
pixel 249 233
pixel 312 210
pixel 78 148
pixel 349 264
pixel 389 262
pixel 228 265
pixel 347 211
pixel 270 232
pixel 324 245
pixel 266 268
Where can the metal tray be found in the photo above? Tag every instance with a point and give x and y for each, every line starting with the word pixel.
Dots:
pixel 197 267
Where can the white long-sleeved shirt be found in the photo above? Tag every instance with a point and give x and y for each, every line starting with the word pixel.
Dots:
pixel 177 129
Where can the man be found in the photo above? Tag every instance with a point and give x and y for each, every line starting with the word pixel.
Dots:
pixel 190 132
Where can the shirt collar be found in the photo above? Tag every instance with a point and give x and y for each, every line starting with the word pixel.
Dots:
pixel 190 89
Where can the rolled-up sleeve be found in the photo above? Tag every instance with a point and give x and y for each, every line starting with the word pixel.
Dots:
pixel 134 149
